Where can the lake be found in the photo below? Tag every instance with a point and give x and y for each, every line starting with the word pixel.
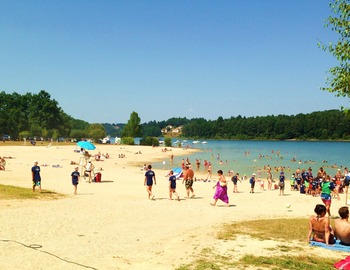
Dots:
pixel 246 157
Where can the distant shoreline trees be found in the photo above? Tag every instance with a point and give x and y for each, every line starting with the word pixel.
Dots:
pixel 323 125
pixel 38 115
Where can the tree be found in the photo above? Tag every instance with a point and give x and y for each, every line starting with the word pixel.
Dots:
pixel 96 131
pixel 133 127
pixel 339 80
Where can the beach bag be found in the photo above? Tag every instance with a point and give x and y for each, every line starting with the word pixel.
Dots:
pixel 222 184
pixel 97 177
pixel 343 264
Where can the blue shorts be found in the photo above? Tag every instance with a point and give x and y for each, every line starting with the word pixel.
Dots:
pixel 326 198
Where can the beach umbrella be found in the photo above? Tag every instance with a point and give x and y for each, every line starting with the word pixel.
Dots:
pixel 86 145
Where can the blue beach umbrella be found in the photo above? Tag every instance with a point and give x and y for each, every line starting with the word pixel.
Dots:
pixel 86 145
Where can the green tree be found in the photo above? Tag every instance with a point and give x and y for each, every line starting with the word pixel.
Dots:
pixel 133 127
pixel 96 131
pixel 339 80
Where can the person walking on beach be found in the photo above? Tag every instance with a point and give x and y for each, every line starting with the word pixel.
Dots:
pixel 149 177
pixel 172 186
pixel 221 190
pixel 252 183
pixel 36 178
pixel 235 179
pixel 328 187
pixel 188 180
pixel 75 179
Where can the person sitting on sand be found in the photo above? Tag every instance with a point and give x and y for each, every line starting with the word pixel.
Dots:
pixel 2 164
pixel 98 156
pixel 342 226
pixel 319 227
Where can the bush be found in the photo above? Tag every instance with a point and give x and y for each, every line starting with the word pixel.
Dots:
pixel 167 142
pixel 128 140
pixel 151 141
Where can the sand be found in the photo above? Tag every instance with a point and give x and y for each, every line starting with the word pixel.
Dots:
pixel 112 224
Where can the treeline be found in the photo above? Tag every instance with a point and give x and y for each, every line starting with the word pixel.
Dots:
pixel 324 125
pixel 37 115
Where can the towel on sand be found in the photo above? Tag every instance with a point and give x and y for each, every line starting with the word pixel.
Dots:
pixel 337 246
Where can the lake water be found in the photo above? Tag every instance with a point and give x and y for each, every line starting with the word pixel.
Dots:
pixel 246 157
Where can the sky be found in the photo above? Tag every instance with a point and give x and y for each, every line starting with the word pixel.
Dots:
pixel 103 60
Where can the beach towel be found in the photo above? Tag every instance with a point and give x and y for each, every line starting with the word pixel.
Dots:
pixel 336 246
pixel 343 264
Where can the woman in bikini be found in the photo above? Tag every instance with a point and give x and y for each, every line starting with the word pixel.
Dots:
pixel 320 227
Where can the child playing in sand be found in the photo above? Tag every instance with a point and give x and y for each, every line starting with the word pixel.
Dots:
pixel 75 179
pixel 172 186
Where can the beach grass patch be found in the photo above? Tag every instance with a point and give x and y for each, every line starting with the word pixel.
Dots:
pixel 288 262
pixel 267 229
pixel 18 193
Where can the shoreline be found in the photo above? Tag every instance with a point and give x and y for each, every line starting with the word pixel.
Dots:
pixel 112 224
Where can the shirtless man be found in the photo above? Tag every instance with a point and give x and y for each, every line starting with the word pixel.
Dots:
pixel 188 180
pixel 342 226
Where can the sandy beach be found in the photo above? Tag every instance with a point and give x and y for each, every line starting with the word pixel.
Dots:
pixel 112 224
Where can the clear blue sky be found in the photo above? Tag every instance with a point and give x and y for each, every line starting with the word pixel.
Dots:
pixel 102 60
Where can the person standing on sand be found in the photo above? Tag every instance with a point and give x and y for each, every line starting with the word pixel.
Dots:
pixel 327 187
pixel 188 180
pixel 210 168
pixel 252 183
pixel 172 186
pixel 75 179
pixel 36 178
pixel 221 190
pixel 149 177
pixel 281 183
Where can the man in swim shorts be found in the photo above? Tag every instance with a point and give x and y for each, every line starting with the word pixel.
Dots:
pixel 188 180
pixel 36 178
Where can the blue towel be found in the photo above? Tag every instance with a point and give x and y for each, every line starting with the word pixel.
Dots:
pixel 336 246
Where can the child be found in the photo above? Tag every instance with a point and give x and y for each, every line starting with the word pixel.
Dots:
pixel 281 183
pixel 172 186
pixel 292 182
pixel 252 183
pixel 235 179
pixel 75 179
pixel 262 184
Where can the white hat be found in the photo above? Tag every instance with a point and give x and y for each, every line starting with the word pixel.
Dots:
pixel 253 174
